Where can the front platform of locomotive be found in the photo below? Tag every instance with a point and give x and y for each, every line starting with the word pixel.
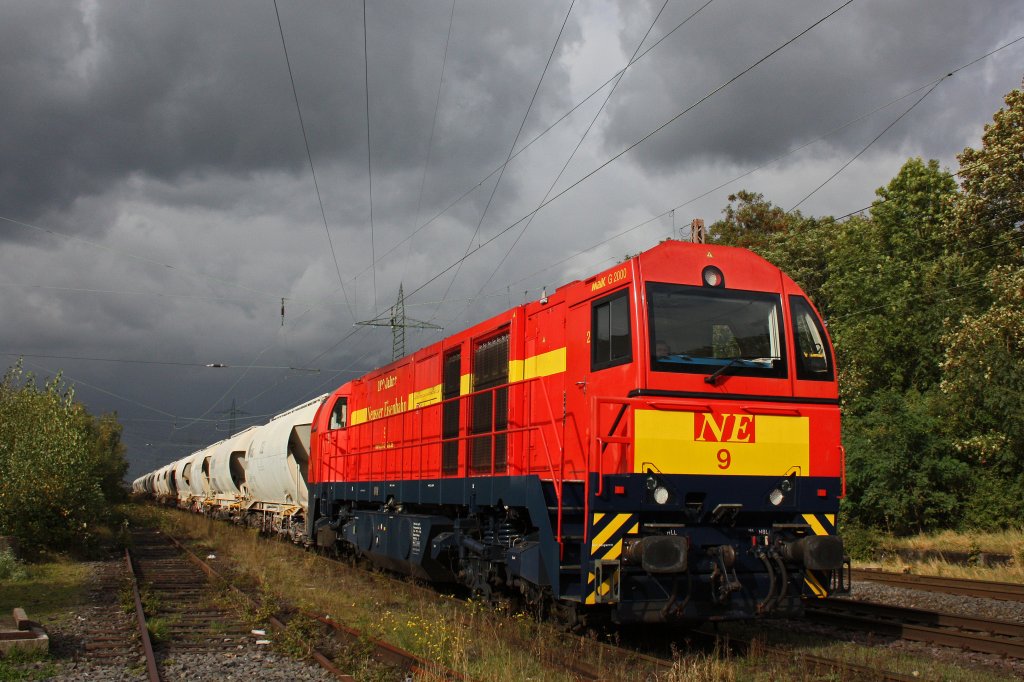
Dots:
pixel 718 476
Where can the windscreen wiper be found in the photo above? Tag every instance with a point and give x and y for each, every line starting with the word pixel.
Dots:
pixel 713 377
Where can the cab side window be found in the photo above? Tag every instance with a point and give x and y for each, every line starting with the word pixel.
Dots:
pixel 611 342
pixel 339 414
pixel 813 359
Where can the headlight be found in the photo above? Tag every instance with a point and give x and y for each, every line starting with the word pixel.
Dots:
pixel 776 497
pixel 712 276
pixel 661 494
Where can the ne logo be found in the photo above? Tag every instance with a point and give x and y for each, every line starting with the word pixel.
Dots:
pixel 723 428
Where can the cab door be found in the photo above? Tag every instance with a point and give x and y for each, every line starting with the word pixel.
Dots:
pixel 601 345
pixel 331 441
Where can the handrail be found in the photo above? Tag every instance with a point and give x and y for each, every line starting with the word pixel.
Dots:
pixel 842 470
pixel 409 439
pixel 361 445
pixel 557 480
pixel 595 449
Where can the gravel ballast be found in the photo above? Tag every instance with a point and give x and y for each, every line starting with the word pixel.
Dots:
pixel 69 660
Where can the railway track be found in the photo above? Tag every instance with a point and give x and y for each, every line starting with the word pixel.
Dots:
pixel 983 635
pixel 384 653
pixel 812 664
pixel 962 586
pixel 974 634
pixel 181 607
pixel 112 638
pixel 656 660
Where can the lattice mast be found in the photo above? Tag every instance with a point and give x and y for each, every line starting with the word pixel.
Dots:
pixel 395 318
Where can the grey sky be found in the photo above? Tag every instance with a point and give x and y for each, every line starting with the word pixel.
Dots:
pixel 152 157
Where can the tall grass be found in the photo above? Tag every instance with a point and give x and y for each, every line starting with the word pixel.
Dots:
pixel 1009 542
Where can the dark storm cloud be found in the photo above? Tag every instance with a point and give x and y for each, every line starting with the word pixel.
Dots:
pixel 864 56
pixel 164 135
pixel 170 90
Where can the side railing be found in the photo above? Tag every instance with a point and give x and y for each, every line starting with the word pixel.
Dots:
pixel 412 443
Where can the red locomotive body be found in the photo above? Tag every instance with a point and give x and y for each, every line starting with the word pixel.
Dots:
pixel 657 442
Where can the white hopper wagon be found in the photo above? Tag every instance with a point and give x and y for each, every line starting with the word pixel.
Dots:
pixel 276 466
pixel 227 466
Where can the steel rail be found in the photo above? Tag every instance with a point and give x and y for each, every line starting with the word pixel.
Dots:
pixel 383 652
pixel 147 644
pixel 962 586
pixel 982 635
pixel 388 653
pixel 275 623
pixel 589 671
pixel 913 615
pixel 810 662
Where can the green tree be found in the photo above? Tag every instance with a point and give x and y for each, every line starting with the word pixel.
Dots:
pixel 900 472
pixel 889 285
pixel 984 383
pixel 56 463
pixel 106 453
pixel 931 362
pixel 749 221
pixel 797 244
pixel 990 212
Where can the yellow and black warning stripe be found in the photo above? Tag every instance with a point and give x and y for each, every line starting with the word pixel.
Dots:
pixel 607 531
pixel 821 524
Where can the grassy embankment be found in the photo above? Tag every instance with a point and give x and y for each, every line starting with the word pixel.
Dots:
pixel 46 589
pixel 1006 542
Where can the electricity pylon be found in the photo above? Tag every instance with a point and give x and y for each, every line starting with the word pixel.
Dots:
pixel 395 318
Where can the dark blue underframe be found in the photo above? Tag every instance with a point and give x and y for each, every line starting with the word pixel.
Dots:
pixel 621 493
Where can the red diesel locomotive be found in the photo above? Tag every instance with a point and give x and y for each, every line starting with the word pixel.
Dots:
pixel 658 442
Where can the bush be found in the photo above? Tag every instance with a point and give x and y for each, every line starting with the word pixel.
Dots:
pixel 904 475
pixel 10 567
pixel 862 544
pixel 58 465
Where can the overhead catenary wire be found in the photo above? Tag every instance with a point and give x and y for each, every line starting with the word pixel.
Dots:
pixel 169 363
pixel 764 165
pixel 511 149
pixel 369 157
pixel 632 146
pixel 869 144
pixel 77 381
pixel 565 115
pixel 353 332
pixel 433 125
pixel 646 222
pixel 934 84
pixel 276 295
pixel 579 144
pixel 309 156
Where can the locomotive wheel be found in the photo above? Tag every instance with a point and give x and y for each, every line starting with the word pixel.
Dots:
pixel 567 615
